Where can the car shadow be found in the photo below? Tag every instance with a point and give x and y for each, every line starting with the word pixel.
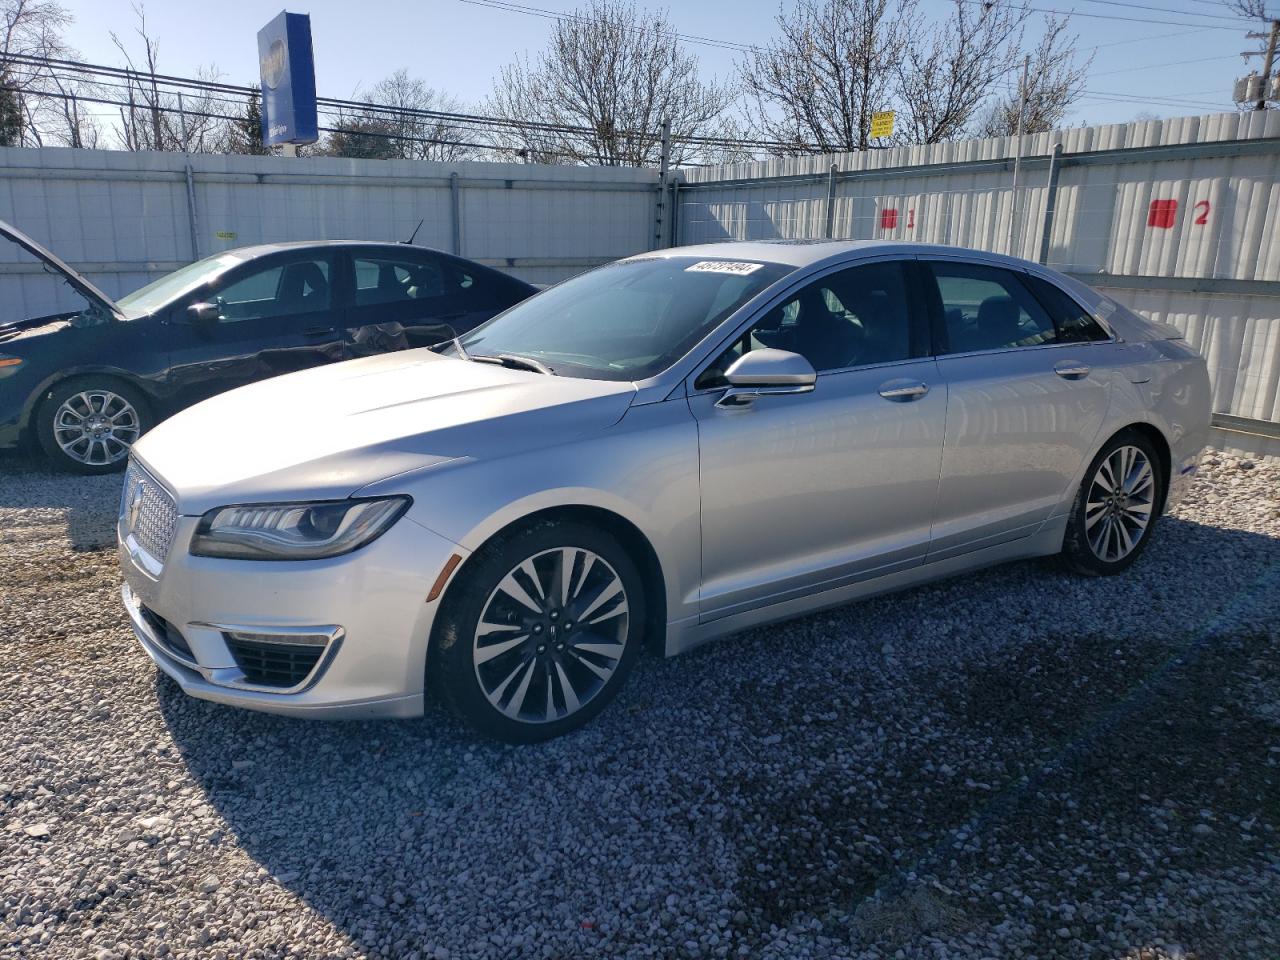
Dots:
pixel 86 505
pixel 760 766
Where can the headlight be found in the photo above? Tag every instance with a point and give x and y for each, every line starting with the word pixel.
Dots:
pixel 294 531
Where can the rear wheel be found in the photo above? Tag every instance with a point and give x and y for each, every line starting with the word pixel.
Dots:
pixel 1116 507
pixel 539 632
pixel 88 425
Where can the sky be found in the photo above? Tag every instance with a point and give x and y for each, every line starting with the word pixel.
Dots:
pixel 1170 64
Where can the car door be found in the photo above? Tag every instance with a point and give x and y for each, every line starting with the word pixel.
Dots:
pixel 810 491
pixel 404 298
pixel 275 314
pixel 1026 397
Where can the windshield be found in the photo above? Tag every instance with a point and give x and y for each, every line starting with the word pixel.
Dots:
pixel 625 321
pixel 157 293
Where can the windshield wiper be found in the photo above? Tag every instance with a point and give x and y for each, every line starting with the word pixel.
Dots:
pixel 455 342
pixel 514 361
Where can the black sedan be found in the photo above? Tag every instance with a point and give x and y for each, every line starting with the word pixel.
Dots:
pixel 85 385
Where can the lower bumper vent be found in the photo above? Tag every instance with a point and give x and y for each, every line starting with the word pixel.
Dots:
pixel 169 635
pixel 273 663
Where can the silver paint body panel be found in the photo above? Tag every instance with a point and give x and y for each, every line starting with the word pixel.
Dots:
pixel 771 510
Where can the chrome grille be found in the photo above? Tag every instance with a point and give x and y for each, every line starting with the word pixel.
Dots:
pixel 148 512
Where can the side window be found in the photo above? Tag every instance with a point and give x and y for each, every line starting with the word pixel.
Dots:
pixel 383 280
pixel 987 308
pixel 1074 323
pixel 852 318
pixel 280 290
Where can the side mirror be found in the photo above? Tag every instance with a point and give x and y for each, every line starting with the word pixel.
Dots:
pixel 203 314
pixel 766 372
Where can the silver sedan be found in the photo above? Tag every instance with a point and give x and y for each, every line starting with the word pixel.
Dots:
pixel 653 454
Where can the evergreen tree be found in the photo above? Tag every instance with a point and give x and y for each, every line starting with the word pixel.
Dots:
pixel 246 130
pixel 10 114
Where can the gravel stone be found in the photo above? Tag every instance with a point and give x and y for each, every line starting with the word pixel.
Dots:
pixel 1014 763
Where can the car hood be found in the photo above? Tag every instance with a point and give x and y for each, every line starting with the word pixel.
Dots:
pixel 324 433
pixel 77 281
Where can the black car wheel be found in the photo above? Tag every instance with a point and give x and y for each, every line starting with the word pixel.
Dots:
pixel 87 425
pixel 539 631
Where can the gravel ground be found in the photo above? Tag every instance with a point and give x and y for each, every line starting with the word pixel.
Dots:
pixel 1015 763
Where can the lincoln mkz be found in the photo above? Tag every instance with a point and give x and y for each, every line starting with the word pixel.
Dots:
pixel 658 452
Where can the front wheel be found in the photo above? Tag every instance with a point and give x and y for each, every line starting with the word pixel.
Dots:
pixel 539 631
pixel 1116 507
pixel 87 425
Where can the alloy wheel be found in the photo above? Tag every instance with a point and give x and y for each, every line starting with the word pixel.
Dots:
pixel 1118 509
pixel 96 427
pixel 551 635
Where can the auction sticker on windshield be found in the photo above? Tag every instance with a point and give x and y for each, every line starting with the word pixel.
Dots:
pixel 737 268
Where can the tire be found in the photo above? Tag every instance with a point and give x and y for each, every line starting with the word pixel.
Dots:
pixel 1107 531
pixel 538 674
pixel 88 424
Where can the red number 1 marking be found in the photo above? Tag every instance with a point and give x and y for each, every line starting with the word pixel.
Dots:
pixel 911 218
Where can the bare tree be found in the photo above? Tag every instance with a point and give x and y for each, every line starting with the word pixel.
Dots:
pixel 157 119
pixel 74 126
pixel 946 73
pixel 28 29
pixel 828 70
pixel 609 78
pixel 1253 9
pixel 1055 80
pixel 404 129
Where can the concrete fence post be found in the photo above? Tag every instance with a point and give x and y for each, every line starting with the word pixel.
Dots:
pixel 455 213
pixel 831 201
pixel 1050 201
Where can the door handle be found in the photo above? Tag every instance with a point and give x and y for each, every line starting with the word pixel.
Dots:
pixel 903 391
pixel 318 332
pixel 1071 370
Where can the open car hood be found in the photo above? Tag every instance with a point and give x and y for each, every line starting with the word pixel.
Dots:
pixel 77 281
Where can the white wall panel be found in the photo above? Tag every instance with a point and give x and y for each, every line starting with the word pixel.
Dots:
pixel 123 218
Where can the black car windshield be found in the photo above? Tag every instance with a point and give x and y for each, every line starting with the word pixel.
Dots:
pixel 157 293
pixel 625 321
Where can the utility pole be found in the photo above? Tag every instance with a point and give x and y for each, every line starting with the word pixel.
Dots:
pixel 1268 62
pixel 1017 148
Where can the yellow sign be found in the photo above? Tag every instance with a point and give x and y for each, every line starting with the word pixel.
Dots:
pixel 225 235
pixel 882 124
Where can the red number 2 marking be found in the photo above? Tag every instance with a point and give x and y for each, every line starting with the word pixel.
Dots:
pixel 1203 218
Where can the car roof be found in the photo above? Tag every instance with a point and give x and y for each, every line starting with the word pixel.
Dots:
pixel 262 249
pixel 805 253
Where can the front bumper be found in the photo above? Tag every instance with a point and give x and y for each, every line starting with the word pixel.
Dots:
pixel 369 607
pixel 1183 475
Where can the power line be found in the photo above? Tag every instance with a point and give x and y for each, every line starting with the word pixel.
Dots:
pixel 545 14
pixel 1109 16
pixel 1165 63
pixel 1144 6
pixel 1144 39
pixel 90 72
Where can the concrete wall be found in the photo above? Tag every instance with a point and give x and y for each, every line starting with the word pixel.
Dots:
pixel 126 218
pixel 1206 257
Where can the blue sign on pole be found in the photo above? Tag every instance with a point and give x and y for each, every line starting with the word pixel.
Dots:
pixel 288 80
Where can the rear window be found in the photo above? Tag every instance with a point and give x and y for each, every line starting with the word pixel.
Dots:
pixel 1074 322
